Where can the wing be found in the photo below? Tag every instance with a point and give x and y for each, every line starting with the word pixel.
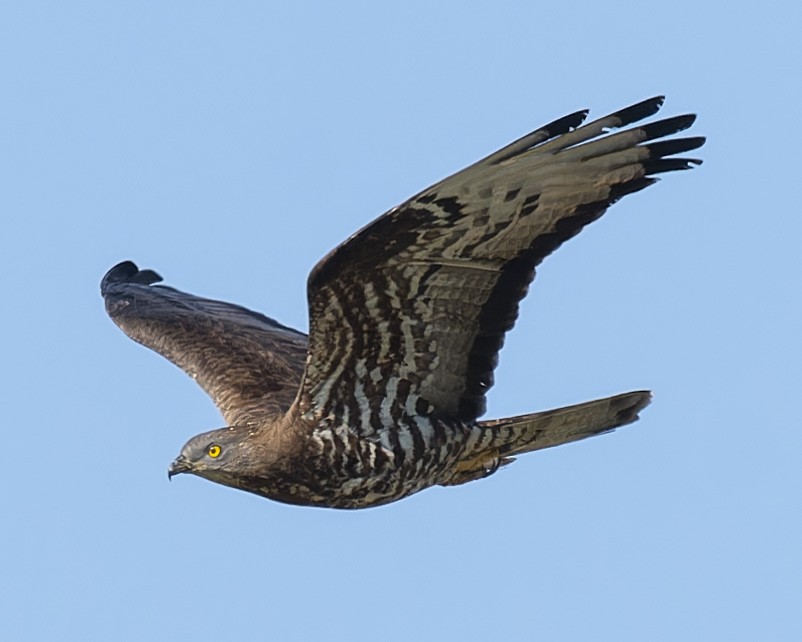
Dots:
pixel 409 314
pixel 250 365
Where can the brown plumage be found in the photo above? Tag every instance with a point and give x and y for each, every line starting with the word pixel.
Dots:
pixel 407 318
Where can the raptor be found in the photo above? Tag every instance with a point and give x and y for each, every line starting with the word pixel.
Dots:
pixel 406 320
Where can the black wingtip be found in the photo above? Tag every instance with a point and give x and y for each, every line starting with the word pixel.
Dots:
pixel 128 272
pixel 658 153
pixel 640 110
pixel 661 165
pixel 675 146
pixel 668 126
pixel 566 123
pixel 630 187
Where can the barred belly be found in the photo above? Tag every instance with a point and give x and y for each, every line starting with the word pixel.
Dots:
pixel 346 471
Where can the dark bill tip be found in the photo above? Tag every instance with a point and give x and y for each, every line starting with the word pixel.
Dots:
pixel 180 465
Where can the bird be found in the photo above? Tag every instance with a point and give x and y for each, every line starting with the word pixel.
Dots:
pixel 407 317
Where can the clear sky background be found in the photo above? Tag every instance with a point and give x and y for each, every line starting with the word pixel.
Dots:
pixel 231 145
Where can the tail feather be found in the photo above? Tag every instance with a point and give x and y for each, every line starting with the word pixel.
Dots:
pixel 500 440
pixel 540 430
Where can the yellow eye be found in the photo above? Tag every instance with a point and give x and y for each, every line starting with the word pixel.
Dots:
pixel 214 451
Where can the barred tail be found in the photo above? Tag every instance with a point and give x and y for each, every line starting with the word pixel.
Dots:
pixel 526 433
pixel 501 439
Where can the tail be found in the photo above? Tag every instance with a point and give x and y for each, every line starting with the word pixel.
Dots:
pixel 540 430
pixel 500 440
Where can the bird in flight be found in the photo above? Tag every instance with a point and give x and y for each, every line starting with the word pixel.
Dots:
pixel 406 320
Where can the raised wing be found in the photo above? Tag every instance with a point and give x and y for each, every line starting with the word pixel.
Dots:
pixel 409 314
pixel 249 364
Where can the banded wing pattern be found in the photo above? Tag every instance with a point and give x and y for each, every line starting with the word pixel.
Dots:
pixel 249 364
pixel 408 315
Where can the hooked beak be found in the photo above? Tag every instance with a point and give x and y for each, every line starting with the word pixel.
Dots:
pixel 180 465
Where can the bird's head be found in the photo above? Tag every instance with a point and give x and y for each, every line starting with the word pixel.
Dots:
pixel 220 455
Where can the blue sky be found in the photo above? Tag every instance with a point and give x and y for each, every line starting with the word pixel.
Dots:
pixel 231 145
